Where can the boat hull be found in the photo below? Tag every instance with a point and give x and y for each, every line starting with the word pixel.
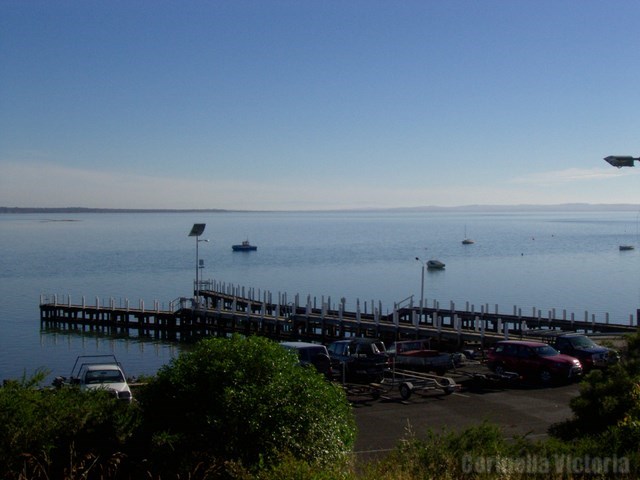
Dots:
pixel 244 248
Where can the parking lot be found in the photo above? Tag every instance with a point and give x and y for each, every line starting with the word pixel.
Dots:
pixel 518 410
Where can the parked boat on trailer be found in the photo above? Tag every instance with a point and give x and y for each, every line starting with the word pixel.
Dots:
pixel 418 355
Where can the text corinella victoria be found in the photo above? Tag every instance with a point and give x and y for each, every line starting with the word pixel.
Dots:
pixel 532 464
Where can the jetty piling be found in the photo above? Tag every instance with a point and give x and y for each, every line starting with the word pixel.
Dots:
pixel 227 308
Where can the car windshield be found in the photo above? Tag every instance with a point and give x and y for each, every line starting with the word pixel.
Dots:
pixel 310 353
pixel 582 342
pixel 104 376
pixel 546 351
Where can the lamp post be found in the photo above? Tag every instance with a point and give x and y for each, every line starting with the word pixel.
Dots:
pixel 196 231
pixel 620 161
pixel 421 288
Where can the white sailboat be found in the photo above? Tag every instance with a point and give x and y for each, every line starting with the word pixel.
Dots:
pixel 629 246
pixel 467 240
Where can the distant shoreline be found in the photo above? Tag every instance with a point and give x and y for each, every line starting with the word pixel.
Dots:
pixel 573 207
pixel 9 210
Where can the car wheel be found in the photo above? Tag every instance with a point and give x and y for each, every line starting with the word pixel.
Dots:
pixel 545 377
pixel 499 369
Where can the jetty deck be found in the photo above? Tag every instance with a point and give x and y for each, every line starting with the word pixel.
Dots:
pixel 219 309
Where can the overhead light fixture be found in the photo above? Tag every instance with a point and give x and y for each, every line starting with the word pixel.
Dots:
pixel 620 161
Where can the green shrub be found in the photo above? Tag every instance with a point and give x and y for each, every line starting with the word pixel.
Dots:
pixel 243 400
pixel 606 398
pixel 61 433
pixel 483 452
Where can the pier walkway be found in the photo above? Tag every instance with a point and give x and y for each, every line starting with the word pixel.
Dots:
pixel 223 309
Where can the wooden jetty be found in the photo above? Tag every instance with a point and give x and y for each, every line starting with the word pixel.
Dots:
pixel 220 309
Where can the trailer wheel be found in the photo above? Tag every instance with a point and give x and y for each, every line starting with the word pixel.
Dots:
pixel 448 387
pixel 406 389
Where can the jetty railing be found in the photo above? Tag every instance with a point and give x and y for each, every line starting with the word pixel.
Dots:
pixel 226 308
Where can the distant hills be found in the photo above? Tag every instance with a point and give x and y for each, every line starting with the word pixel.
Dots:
pixel 99 210
pixel 573 207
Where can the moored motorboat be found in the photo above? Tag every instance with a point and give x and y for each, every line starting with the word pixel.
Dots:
pixel 435 265
pixel 626 247
pixel 245 246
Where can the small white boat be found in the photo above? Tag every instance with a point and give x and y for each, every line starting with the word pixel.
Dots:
pixel 435 265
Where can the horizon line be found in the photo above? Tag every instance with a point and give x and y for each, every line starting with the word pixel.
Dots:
pixel 495 207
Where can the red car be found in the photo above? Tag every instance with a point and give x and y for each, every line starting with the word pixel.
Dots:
pixel 533 361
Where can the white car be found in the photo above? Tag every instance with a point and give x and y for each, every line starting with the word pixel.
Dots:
pixel 101 372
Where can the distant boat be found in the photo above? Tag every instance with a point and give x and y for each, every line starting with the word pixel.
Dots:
pixel 467 240
pixel 628 246
pixel 435 265
pixel 245 246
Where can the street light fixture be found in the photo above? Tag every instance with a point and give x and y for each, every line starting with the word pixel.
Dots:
pixel 196 231
pixel 620 161
pixel 421 288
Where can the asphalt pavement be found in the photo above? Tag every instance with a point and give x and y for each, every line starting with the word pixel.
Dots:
pixel 518 410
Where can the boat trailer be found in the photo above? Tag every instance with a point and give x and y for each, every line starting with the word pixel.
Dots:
pixel 405 383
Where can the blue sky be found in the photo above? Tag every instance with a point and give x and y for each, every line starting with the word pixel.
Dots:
pixel 317 104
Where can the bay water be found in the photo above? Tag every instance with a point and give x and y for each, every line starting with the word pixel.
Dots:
pixel 564 260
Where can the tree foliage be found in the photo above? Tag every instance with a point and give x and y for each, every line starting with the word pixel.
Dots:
pixel 608 406
pixel 61 433
pixel 243 400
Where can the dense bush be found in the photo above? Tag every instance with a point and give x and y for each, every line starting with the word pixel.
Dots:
pixel 606 418
pixel 607 398
pixel 483 452
pixel 243 400
pixel 61 433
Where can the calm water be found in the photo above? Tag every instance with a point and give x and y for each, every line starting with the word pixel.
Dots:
pixel 561 260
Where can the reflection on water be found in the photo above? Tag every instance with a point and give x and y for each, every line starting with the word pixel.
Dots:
pixel 141 355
